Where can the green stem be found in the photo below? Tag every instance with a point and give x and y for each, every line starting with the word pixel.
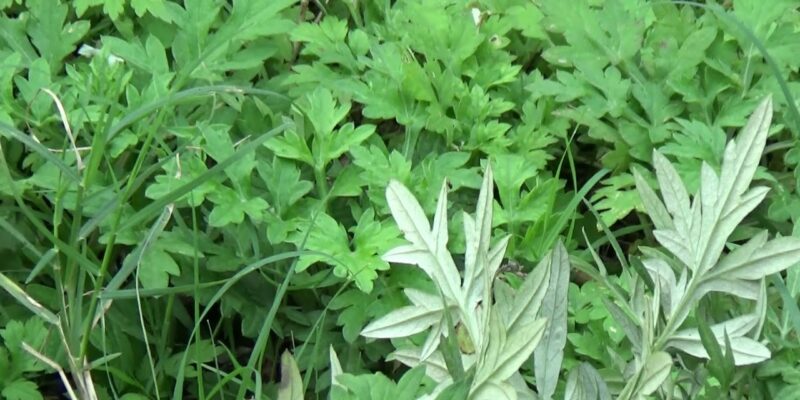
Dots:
pixel 321 179
pixel 108 252
pixel 673 324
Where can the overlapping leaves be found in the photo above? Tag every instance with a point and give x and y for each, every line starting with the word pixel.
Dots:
pixel 696 231
pixel 503 326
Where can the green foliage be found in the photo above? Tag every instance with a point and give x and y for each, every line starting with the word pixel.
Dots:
pixel 497 328
pixel 193 199
pixel 17 363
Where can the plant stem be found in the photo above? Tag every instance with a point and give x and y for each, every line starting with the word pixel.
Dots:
pixel 321 179
pixel 673 323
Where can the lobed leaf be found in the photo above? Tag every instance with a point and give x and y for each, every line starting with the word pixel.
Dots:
pixel 746 351
pixel 655 371
pixel 652 204
pixel 425 249
pixel 773 256
pixel 676 199
pixel 742 156
pixel 528 299
pixel 403 322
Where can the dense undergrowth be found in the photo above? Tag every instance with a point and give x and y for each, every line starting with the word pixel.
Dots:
pixel 216 199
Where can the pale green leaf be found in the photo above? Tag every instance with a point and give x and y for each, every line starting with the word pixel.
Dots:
pixel 629 326
pixel 717 238
pixel 673 191
pixel 742 156
pixel 709 191
pixel 336 366
pixel 664 276
pixel 518 348
pixel 652 204
pixel 19 294
pixel 434 365
pixel 655 371
pixel 404 321
pixel 746 351
pixel 549 354
pixel 745 289
pixel 528 299
pixel 411 220
pixel 673 241
pixel 478 232
pixel 494 390
pixel 439 230
pixel 291 385
pixel 774 256
pixel 585 383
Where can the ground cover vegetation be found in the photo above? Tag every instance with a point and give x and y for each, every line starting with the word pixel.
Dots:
pixel 417 199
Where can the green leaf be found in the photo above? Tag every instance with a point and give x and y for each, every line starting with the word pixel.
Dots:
pixel 32 332
pixel 133 396
pixel 219 145
pixel 594 39
pixel 291 145
pixel 379 167
pixel 155 268
pixel 353 306
pixel 458 390
pixel 156 8
pixel 409 384
pixel 284 183
pixel 322 110
pixel 527 18
pixel 348 183
pixel 720 365
pixel 52 37
pixel 13 32
pixel 21 389
pixel 345 139
pixel 615 200
pixel 291 385
pixel 204 55
pixel 510 173
pixel 326 40
pixel 230 207
pixel 112 8
pixel 178 173
pixel 368 387
pixel 360 261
